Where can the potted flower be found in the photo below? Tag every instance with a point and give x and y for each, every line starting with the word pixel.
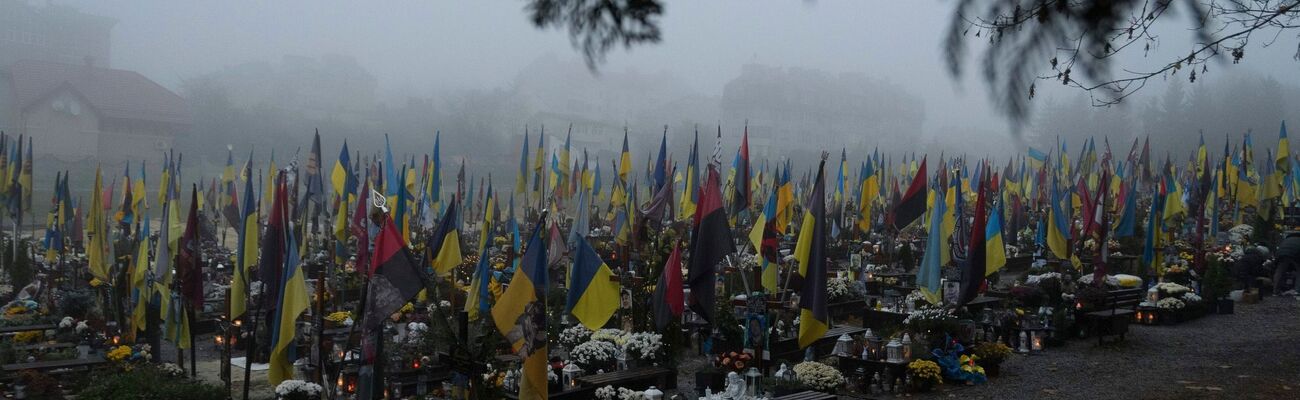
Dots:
pixel 643 346
pixel 818 376
pixel 991 355
pixel 594 355
pixel 294 389
pixel 924 375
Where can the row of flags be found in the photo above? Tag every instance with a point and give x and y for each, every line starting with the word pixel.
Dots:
pixel 1097 196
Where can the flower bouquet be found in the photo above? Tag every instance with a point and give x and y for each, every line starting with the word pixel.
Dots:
pixel 991 355
pixel 925 375
pixel 594 355
pixel 294 389
pixel 818 376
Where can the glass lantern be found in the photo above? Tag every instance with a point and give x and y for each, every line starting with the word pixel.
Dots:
pixel 873 345
pixel 894 351
pixel 843 346
pixel 571 374
pixel 752 379
pixel 1024 343
pixel 1036 341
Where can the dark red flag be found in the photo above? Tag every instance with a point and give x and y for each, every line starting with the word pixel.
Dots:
pixel 710 242
pixel 189 265
pixel 912 204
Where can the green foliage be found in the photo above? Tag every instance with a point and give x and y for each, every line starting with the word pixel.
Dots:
pixel 1217 282
pixel 41 386
pixel 78 304
pixel 148 382
pixel 20 272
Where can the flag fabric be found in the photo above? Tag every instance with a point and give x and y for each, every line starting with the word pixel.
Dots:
pixel 341 177
pixel 97 251
pixel 271 264
pixel 520 315
pixel 711 241
pixel 521 181
pixel 740 196
pixel 444 245
pixel 592 295
pixel 996 249
pixel 810 251
pixel 668 296
pixel 972 278
pixel 690 192
pixel 1058 227
pixel 912 205
pixel 189 264
pixel 764 238
pixel 245 253
pixel 292 302
pixel 929 275
pixel 396 278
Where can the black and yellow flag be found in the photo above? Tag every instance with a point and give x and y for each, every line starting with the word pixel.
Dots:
pixel 811 253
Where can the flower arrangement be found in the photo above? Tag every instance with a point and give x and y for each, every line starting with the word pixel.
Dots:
pixel 119 353
pixel 1040 278
pixel 29 336
pixel 171 369
pixel 614 336
pixel 1190 297
pixel 406 308
pixel 818 376
pixel 931 319
pixel 925 374
pixel 1241 233
pixel 66 323
pixel 992 352
pixel 837 288
pixel 294 389
pixel 610 393
pixel 339 316
pixel 733 361
pixel 1170 303
pixel 593 354
pixel 643 345
pixel 573 336
pixel 1170 289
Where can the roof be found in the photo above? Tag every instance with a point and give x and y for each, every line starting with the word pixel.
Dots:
pixel 113 93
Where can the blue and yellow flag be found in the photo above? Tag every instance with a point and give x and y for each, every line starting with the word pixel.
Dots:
pixel 1058 229
pixel 520 315
pixel 246 252
pixel 929 275
pixel 995 252
pixel 593 296
pixel 293 301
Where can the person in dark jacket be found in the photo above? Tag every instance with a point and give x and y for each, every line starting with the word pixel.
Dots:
pixel 1250 266
pixel 1288 259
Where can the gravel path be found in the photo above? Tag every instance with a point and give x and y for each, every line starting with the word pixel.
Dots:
pixel 1253 354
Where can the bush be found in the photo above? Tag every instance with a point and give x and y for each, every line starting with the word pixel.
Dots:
pixel 39 385
pixel 78 304
pixel 148 382
pixel 20 274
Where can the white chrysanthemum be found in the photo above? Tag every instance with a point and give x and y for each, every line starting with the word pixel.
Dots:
pixel 818 376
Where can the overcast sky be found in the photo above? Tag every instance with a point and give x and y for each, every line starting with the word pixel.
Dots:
pixel 425 46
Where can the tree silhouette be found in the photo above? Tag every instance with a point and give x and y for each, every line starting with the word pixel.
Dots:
pixel 1072 42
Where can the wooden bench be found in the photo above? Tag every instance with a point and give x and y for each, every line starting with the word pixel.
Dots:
pixel 808 395
pixel 1114 314
pixel 45 346
pixel 86 364
pixel 635 378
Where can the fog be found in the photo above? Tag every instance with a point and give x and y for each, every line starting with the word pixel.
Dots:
pixel 856 75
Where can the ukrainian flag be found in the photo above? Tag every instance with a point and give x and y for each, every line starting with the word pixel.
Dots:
pixel 625 161
pixel 246 253
pixel 1058 229
pixel 520 315
pixel 445 242
pixel 293 301
pixel 929 275
pixel 995 252
pixel 764 232
pixel 592 297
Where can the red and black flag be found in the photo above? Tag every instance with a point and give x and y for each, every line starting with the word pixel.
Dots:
pixel 912 205
pixel 740 199
pixel 189 265
pixel 668 292
pixel 396 278
pixel 272 261
pixel 972 279
pixel 710 242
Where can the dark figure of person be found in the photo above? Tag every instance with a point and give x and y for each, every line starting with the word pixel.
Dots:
pixel 1288 259
pixel 1249 267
